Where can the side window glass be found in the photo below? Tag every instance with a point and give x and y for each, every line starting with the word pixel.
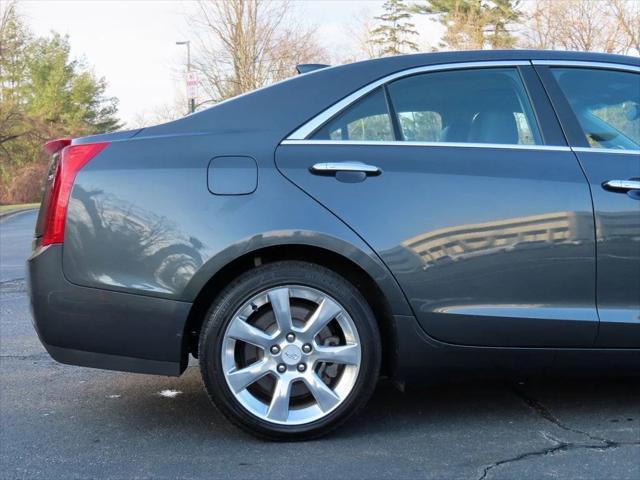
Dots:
pixel 424 126
pixel 366 120
pixel 486 105
pixel 606 104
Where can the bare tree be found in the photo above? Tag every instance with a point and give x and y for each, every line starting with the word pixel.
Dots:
pixel 610 26
pixel 246 44
pixel 359 31
pixel 161 113
pixel 627 13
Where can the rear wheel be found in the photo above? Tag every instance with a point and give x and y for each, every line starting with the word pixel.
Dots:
pixel 290 350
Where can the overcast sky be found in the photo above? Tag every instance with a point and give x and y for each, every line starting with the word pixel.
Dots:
pixel 132 43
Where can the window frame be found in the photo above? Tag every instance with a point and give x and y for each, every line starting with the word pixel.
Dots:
pixel 385 99
pixel 304 133
pixel 568 119
pixel 558 133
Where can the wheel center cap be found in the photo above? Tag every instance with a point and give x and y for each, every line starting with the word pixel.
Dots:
pixel 291 355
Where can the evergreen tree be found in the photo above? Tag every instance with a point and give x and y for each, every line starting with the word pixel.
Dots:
pixel 475 24
pixel 392 35
pixel 14 40
pixel 43 94
pixel 64 93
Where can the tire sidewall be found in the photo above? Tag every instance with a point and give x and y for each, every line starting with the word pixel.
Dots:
pixel 261 279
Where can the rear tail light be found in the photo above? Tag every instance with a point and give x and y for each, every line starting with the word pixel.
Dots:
pixel 72 159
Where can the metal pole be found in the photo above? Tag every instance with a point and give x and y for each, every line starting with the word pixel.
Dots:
pixel 191 104
pixel 192 101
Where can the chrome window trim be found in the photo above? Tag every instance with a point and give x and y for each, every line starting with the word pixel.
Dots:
pixel 299 136
pixel 312 125
pixel 606 150
pixel 399 143
pixel 581 63
pixel 508 146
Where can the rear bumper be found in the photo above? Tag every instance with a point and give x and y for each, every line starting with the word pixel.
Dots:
pixel 101 328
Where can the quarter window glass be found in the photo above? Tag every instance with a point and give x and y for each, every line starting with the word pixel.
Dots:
pixel 488 105
pixel 367 120
pixel 606 103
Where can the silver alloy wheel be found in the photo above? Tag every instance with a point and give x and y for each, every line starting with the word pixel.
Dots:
pixel 291 368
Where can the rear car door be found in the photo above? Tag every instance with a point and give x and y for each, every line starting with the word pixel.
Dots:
pixel 599 107
pixel 468 193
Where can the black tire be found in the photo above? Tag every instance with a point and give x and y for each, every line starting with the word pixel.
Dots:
pixel 279 274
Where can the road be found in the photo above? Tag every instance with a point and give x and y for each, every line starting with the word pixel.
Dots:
pixel 60 421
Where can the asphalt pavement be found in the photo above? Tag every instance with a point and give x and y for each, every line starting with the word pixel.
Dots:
pixel 60 421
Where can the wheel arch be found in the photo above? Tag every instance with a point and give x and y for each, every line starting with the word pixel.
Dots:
pixel 368 275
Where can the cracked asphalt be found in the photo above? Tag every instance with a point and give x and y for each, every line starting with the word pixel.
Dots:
pixel 60 421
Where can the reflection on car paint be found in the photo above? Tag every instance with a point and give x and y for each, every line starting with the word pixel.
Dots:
pixel 466 241
pixel 160 250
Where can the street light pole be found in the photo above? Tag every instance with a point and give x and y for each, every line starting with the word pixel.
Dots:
pixel 192 101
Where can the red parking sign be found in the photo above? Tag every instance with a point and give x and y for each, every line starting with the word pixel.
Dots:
pixel 192 84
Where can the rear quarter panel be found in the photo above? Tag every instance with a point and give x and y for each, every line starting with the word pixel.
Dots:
pixel 142 220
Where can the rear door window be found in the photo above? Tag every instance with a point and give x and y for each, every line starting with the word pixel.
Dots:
pixel 487 105
pixel 606 104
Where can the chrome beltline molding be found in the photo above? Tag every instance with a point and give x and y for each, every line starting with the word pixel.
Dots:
pixel 426 144
pixel 605 150
pixel 393 143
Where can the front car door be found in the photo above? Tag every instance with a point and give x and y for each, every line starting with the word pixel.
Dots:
pixel 599 107
pixel 459 177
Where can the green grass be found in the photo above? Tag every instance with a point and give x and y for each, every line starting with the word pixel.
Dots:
pixel 16 208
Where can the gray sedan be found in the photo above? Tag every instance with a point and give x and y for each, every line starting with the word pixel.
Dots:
pixel 408 217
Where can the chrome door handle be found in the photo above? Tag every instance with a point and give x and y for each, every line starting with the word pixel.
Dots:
pixel 621 185
pixel 335 167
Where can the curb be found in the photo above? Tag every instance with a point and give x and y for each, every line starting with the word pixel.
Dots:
pixel 7 215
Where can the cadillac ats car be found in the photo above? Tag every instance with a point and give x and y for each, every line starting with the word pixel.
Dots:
pixel 404 217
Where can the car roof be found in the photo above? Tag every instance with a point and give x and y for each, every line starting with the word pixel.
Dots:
pixel 434 58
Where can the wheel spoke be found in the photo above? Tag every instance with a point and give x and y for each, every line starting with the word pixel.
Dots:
pixel 326 398
pixel 241 379
pixel 279 406
pixel 279 300
pixel 241 330
pixel 277 356
pixel 344 354
pixel 326 311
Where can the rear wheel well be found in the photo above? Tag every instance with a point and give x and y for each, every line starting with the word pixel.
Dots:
pixel 326 258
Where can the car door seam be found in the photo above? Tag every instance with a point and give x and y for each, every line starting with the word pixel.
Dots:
pixel 593 206
pixel 382 262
